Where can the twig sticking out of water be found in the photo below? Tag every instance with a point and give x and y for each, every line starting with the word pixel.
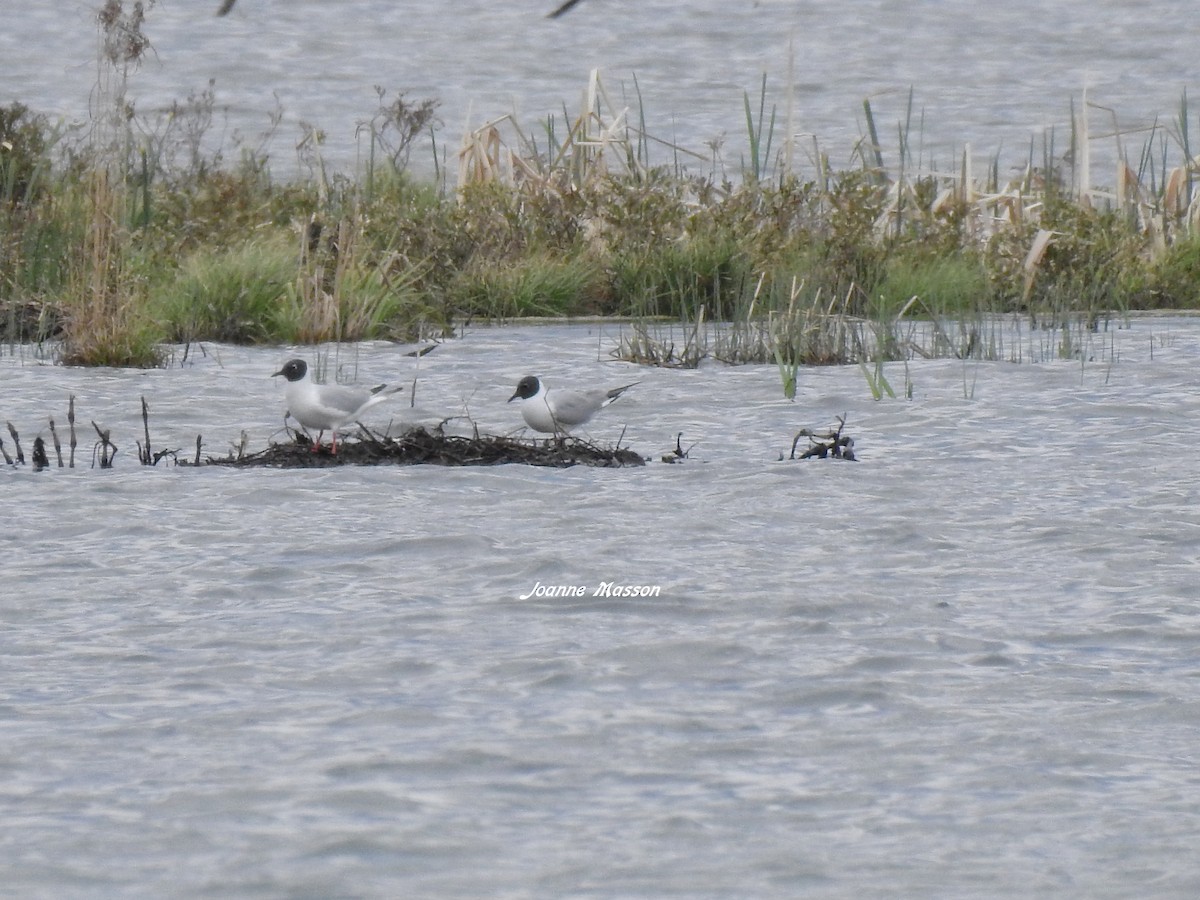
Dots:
pixel 57 444
pixel 822 446
pixel 144 452
pixel 146 455
pixel 40 461
pixel 8 460
pixel 418 353
pixel 102 446
pixel 17 442
pixel 199 441
pixel 71 422
pixel 678 454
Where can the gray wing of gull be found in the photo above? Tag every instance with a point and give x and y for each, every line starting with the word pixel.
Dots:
pixel 343 401
pixel 576 407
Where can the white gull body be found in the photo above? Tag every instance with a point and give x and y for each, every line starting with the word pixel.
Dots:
pixel 327 407
pixel 558 411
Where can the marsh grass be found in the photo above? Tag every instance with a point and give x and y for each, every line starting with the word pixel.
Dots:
pixel 144 233
pixel 342 293
pixel 536 285
pixel 105 321
pixel 32 241
pixel 235 295
pixel 668 345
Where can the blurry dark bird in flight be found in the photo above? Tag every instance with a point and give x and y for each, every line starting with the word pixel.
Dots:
pixel 562 9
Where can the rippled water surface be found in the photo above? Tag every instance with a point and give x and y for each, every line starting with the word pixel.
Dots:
pixel 965 665
pixel 993 75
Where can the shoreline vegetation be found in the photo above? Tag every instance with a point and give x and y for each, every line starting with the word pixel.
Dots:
pixel 128 234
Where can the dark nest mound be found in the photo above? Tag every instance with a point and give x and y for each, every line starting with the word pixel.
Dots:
pixel 421 447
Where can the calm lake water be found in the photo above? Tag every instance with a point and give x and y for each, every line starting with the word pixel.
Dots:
pixel 965 665
pixel 994 75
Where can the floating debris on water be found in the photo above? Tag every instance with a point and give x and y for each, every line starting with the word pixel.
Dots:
pixel 831 445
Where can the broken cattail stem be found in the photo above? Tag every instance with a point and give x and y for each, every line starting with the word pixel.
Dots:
pixel 198 442
pixel 16 442
pixel 8 460
pixel 40 461
pixel 57 444
pixel 71 422
pixel 145 454
pixel 106 458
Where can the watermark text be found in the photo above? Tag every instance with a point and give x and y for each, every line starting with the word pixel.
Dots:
pixel 603 589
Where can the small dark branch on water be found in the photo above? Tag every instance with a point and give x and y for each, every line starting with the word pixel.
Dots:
pixel 102 447
pixel 57 444
pixel 8 460
pixel 833 444
pixel 40 461
pixel 199 442
pixel 16 442
pixel 163 454
pixel 678 454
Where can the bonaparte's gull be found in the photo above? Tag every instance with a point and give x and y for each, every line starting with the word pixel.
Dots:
pixel 327 407
pixel 558 411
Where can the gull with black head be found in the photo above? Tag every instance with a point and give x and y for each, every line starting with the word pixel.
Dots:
pixel 327 407
pixel 558 411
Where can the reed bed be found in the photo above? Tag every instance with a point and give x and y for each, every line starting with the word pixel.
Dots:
pixel 122 236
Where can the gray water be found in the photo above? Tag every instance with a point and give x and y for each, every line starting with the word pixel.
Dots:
pixel 994 75
pixel 965 665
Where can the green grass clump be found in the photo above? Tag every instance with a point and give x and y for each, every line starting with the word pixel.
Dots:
pixel 26 139
pixel 1173 280
pixel 954 285
pixel 234 295
pixel 531 286
pixel 707 272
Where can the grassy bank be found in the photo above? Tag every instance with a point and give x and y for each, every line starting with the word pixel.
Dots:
pixel 119 238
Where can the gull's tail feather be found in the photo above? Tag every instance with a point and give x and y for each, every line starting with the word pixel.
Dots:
pixel 617 392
